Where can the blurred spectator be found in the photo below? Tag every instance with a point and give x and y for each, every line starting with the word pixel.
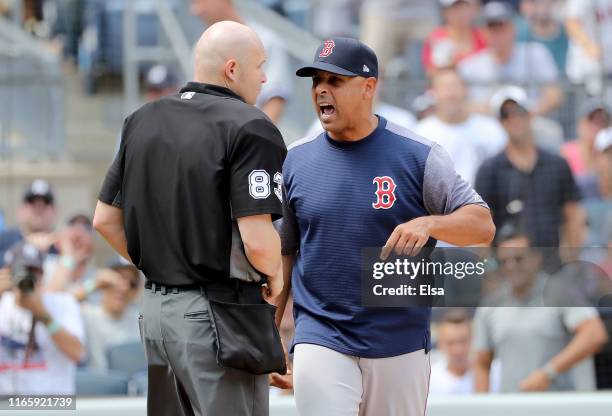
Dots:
pixel 589 27
pixel 390 27
pixel 115 320
pixel 536 346
pixel 468 138
pixel 605 263
pixel 424 105
pixel 71 14
pixel 505 61
pixel 581 153
pixel 526 185
pixel 160 81
pixel 457 39
pixel 540 24
pixel 6 7
pixel 333 18
pixel 36 218
pixel 41 334
pixel 603 168
pixel 277 89
pixel 453 374
pixel 72 270
pixel 513 3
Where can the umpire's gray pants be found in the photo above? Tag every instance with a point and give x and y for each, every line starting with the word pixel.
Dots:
pixel 184 377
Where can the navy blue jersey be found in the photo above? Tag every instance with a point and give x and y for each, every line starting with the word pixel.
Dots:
pixel 341 197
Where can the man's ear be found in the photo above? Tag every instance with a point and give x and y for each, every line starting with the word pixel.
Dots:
pixel 231 70
pixel 369 87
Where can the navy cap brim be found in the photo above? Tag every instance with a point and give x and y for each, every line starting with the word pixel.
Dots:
pixel 310 70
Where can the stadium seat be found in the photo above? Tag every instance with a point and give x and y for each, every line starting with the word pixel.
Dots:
pixel 97 383
pixel 129 358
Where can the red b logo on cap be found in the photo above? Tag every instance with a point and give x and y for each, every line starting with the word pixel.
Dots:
pixel 328 47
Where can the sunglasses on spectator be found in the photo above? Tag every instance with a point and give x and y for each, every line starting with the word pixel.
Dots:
pixel 516 110
pixel 514 259
pixel 34 198
pixel 496 25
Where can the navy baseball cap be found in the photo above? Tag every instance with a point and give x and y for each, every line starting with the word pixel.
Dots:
pixel 39 189
pixel 343 56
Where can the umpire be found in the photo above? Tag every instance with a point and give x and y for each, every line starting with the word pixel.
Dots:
pixel 190 199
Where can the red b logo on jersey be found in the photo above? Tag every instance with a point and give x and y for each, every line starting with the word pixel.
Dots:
pixel 385 192
pixel 328 47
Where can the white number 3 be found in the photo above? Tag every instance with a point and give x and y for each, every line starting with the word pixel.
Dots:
pixel 259 184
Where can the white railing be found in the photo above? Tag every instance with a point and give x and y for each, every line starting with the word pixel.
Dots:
pixel 544 404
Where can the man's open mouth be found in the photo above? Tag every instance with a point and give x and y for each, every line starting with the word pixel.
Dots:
pixel 326 110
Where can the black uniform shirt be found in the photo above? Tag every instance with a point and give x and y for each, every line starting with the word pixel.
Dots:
pixel 188 166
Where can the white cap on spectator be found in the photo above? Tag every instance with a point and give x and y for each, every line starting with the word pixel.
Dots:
pixel 449 3
pixel 603 141
pixel 508 93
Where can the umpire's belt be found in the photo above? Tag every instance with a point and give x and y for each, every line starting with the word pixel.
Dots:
pixel 246 336
pixel 230 290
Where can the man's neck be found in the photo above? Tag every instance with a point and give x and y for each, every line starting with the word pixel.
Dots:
pixel 545 29
pixel 503 55
pixel 524 291
pixel 459 33
pixel 116 315
pixel 457 370
pixel 79 271
pixel 522 155
pixel 456 117
pixel 359 132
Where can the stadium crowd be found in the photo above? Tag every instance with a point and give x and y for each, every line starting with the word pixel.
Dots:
pixel 500 79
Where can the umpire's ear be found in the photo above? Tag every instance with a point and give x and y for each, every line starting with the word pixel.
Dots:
pixel 369 88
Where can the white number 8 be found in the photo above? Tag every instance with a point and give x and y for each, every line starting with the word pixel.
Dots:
pixel 259 184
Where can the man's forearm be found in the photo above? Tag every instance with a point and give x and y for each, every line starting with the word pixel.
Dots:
pixel 67 343
pixel 482 371
pixel 265 254
pixel 574 222
pixel 589 338
pixel 552 98
pixel 281 302
pixel 576 32
pixel 108 221
pixel 481 379
pixel 467 226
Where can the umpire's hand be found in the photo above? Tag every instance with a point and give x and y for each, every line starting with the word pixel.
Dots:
pixel 273 288
pixel 408 238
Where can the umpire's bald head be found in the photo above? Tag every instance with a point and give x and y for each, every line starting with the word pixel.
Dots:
pixel 231 54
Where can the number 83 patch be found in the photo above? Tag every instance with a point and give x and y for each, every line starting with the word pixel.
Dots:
pixel 259 184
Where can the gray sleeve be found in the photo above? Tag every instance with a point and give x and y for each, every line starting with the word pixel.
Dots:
pixel 572 317
pixel 288 229
pixel 482 339
pixel 444 191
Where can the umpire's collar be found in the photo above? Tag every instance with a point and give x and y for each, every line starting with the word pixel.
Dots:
pixel 210 89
